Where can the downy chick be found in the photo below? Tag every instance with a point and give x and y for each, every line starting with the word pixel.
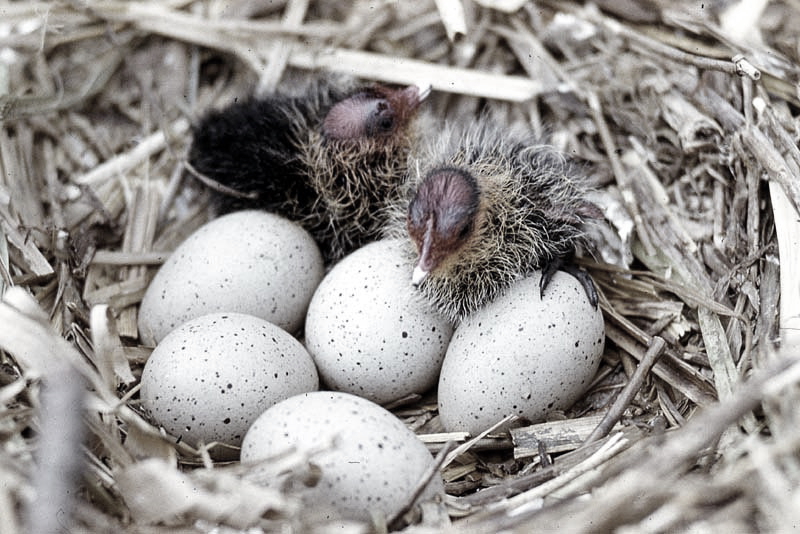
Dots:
pixel 329 158
pixel 486 208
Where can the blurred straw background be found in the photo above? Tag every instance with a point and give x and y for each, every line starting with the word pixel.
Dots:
pixel 684 113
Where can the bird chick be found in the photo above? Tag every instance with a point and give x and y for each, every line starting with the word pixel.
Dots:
pixel 329 158
pixel 487 208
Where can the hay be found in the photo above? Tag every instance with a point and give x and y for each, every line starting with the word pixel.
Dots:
pixel 685 114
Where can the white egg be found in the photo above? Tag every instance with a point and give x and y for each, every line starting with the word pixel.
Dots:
pixel 370 461
pixel 211 377
pixel 369 331
pixel 521 355
pixel 248 262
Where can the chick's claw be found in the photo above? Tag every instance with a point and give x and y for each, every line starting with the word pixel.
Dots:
pixel 570 268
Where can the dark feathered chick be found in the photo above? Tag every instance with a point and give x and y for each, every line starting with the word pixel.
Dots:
pixel 488 207
pixel 329 158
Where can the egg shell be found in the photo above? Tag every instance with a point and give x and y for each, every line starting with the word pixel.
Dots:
pixel 373 464
pixel 249 262
pixel 370 333
pixel 521 355
pixel 211 377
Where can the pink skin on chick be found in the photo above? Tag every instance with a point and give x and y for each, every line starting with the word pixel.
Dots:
pixel 373 112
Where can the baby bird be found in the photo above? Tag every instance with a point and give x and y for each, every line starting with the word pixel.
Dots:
pixel 329 158
pixel 488 207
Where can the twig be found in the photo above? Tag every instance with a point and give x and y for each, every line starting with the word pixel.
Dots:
pixel 410 71
pixel 464 447
pixel 452 15
pixel 218 187
pixel 614 414
pixel 123 163
pixel 422 484
pixel 738 65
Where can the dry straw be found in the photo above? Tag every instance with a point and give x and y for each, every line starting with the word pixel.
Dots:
pixel 686 114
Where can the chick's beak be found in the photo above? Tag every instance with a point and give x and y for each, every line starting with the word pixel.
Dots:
pixel 418 276
pixel 426 257
pixel 412 96
pixel 423 90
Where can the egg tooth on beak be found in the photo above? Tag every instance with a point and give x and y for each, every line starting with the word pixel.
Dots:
pixel 418 276
pixel 424 89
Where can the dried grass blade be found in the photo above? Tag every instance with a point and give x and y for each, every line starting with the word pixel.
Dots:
pixel 35 261
pixel 5 273
pixel 788 232
pixel 411 71
pixel 157 18
pixel 464 447
pixel 278 55
pixel 507 6
pixel 453 18
pixel 557 436
pixel 109 357
pixel 127 161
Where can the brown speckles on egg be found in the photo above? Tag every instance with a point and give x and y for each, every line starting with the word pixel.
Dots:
pixel 200 386
pixel 552 345
pixel 248 262
pixel 368 330
pixel 373 467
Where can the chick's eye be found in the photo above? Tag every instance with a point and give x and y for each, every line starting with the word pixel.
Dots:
pixel 381 119
pixel 385 123
pixel 464 232
pixel 380 123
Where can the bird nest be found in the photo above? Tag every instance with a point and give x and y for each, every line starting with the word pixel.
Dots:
pixel 685 115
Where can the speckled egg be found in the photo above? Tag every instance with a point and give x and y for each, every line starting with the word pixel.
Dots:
pixel 368 460
pixel 211 377
pixel 247 262
pixel 369 332
pixel 521 355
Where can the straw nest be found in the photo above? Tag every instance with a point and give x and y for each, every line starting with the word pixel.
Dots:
pixel 686 115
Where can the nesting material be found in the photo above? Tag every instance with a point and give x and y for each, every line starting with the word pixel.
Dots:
pixel 679 116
